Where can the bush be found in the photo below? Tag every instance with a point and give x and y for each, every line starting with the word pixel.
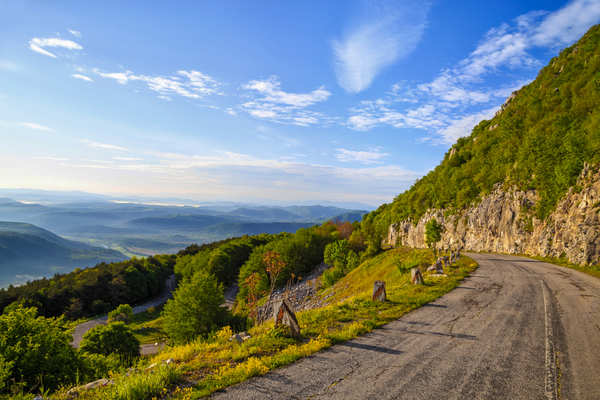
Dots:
pixel 115 338
pixel 195 308
pixel 99 307
pixel 35 350
pixel 123 313
pixel 331 276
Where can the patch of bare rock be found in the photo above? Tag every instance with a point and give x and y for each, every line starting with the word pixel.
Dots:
pixel 503 222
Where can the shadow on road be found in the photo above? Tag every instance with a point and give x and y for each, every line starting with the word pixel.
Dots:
pixel 368 347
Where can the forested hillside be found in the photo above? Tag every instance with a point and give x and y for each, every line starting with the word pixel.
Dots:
pixel 28 252
pixel 539 139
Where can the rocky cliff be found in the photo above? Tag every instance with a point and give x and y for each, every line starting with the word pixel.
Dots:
pixel 503 222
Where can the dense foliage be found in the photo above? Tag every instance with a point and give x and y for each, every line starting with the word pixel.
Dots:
pixel 540 141
pixel 300 252
pixel 223 261
pixel 35 351
pixel 115 338
pixel 96 290
pixel 195 308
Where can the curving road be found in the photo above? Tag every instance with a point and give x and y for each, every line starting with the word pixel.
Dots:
pixel 517 329
pixel 81 329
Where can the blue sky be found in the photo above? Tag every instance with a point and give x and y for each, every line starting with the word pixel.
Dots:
pixel 246 100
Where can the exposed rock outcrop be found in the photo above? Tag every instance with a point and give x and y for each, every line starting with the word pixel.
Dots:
pixel 503 222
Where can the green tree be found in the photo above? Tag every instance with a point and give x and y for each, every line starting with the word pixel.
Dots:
pixel 123 313
pixel 433 233
pixel 115 338
pixel 195 308
pixel 35 350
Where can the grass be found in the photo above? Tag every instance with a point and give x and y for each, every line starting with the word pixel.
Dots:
pixel 209 364
pixel 593 270
pixel 147 326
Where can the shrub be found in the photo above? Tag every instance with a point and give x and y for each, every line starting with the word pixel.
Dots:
pixel 123 313
pixel 115 338
pixel 35 350
pixel 195 308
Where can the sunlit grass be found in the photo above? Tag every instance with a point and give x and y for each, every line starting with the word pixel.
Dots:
pixel 209 364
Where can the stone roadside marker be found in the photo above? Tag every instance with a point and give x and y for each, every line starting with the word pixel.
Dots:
pixel 416 276
pixel 283 313
pixel 439 267
pixel 379 292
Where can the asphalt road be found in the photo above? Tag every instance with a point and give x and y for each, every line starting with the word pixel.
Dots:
pixel 517 329
pixel 81 329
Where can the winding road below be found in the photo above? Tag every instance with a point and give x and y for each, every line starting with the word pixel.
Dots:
pixel 81 329
pixel 516 329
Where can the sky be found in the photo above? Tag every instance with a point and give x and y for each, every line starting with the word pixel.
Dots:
pixel 248 100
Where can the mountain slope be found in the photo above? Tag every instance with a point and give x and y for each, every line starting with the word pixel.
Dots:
pixel 20 227
pixel 30 252
pixel 539 140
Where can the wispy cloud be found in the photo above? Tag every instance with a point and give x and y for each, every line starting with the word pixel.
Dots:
pixel 458 98
pixel 127 158
pixel 83 77
pixel 38 45
pixel 389 33
pixel 190 84
pixel 365 157
pixel 75 33
pixel 37 126
pixel 51 158
pixel 103 145
pixel 279 106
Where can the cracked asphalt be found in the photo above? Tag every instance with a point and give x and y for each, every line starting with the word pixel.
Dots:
pixel 516 329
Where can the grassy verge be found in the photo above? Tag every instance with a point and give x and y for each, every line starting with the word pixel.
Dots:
pixel 147 326
pixel 593 270
pixel 207 365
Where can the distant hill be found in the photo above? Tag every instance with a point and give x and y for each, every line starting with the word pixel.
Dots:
pixel 62 221
pixel 350 216
pixel 265 214
pixel 175 222
pixel 20 227
pixel 29 252
pixel 228 229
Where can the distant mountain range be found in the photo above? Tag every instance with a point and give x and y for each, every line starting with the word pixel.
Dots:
pixel 95 228
pixel 28 252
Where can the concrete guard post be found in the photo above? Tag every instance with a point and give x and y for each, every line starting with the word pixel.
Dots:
pixel 283 313
pixel 416 277
pixel 379 292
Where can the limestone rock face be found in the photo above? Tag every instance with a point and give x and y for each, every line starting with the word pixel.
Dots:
pixel 503 222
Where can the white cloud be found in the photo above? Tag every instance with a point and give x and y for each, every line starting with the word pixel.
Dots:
pixel 85 78
pixel 283 107
pixel 377 43
pixel 365 157
pixel 568 24
pixel 127 158
pixel 36 44
pixel 51 158
pixel 196 84
pixel 75 33
pixel 103 145
pixel 458 98
pixel 463 126
pixel 37 126
pixel 165 98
